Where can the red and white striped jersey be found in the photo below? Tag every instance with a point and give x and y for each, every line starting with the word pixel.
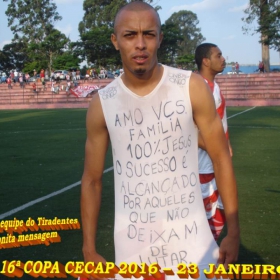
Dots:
pixel 204 162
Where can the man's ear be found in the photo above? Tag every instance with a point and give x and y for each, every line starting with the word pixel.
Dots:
pixel 206 61
pixel 114 41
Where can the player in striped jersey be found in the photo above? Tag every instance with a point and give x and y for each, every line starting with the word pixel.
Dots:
pixel 210 62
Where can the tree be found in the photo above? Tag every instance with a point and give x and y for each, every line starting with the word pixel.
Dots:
pixel 98 48
pixel 45 52
pixel 170 45
pixel 13 56
pixel 101 12
pixel 267 15
pixel 31 22
pixel 181 34
pixel 186 61
pixel 54 44
pixel 187 22
pixel 271 28
pixel 66 61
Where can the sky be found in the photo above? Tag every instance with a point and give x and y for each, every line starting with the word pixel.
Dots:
pixel 220 22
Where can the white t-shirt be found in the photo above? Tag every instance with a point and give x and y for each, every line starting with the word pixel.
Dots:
pixel 159 213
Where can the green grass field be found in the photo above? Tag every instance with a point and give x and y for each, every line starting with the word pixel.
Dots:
pixel 42 151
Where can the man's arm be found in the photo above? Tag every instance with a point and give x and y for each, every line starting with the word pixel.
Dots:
pixel 216 144
pixel 95 151
pixel 201 144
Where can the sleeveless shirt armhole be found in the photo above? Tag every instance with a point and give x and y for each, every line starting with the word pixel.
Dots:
pixel 189 98
pixel 102 106
pixel 105 116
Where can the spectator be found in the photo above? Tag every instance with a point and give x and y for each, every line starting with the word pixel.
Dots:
pixel 78 74
pixel 52 74
pixel 16 75
pixel 56 87
pixel 27 76
pixel 12 75
pixel 20 79
pixel 233 69
pixel 67 77
pixel 52 85
pixel 261 67
pixel 46 74
pixel 34 87
pixel 95 74
pixel 68 87
pixel 73 73
pixel 117 72
pixel 3 78
pixel 57 77
pixel 75 83
pixel 87 76
pixel 9 82
pixel 237 67
pixel 42 78
pixel 42 75
pixel 102 73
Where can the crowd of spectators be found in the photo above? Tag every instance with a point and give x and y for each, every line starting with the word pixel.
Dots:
pixel 235 68
pixel 60 80
pixel 13 77
pixel 72 78
pixel 102 73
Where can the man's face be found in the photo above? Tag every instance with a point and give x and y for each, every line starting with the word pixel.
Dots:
pixel 137 37
pixel 217 61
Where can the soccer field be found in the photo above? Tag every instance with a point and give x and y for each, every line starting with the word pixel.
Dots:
pixel 42 154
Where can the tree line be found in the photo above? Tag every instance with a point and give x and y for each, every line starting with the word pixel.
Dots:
pixel 37 44
pixel 266 13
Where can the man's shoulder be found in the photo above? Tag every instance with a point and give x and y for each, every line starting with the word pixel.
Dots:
pixel 174 69
pixel 198 86
pixel 111 84
pixel 177 76
pixel 109 90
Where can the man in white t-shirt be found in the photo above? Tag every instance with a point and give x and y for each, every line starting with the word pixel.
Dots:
pixel 210 62
pixel 16 75
pixel 150 114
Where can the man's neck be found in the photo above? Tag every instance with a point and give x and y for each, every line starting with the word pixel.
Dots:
pixel 207 75
pixel 143 85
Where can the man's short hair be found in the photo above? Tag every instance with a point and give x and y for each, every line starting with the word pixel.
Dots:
pixel 136 6
pixel 203 51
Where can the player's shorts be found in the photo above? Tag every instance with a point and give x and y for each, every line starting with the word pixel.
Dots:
pixel 212 203
pixel 217 222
